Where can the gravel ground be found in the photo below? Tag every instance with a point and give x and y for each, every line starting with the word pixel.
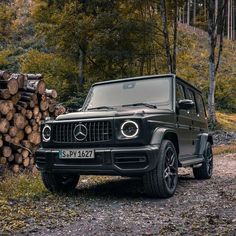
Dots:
pixel 118 206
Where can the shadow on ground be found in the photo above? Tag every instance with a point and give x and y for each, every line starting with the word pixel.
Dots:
pixel 113 188
pixel 117 187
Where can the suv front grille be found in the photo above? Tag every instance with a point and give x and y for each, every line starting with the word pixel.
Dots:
pixel 97 131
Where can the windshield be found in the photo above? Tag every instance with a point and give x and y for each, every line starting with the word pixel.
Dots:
pixel 140 92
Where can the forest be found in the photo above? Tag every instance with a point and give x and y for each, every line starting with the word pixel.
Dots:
pixel 51 52
pixel 76 43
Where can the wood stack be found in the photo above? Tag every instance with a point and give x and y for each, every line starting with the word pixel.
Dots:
pixel 24 104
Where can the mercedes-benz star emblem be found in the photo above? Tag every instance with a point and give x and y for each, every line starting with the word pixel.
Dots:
pixel 80 132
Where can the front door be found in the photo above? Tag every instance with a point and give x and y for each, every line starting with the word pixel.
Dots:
pixel 184 125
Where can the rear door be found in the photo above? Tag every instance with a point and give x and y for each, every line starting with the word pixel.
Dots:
pixel 201 113
pixel 200 124
pixel 195 119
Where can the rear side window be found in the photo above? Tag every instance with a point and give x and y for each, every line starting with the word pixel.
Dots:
pixel 179 92
pixel 200 106
pixel 190 95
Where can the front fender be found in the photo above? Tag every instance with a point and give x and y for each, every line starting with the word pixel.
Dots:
pixel 159 134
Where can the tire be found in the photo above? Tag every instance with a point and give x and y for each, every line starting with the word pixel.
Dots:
pixel 58 183
pixel 206 170
pixel 162 181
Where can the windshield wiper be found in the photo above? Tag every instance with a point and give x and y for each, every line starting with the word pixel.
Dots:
pixel 101 107
pixel 141 104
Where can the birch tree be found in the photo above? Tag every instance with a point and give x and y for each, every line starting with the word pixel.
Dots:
pixel 216 27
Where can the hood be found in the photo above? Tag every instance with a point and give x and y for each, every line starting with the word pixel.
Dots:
pixel 113 113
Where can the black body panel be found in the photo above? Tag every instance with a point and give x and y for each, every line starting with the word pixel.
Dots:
pixel 115 154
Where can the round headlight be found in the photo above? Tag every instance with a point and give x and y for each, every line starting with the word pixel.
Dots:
pixel 129 129
pixel 46 133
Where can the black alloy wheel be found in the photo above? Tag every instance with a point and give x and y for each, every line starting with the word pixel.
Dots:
pixel 162 180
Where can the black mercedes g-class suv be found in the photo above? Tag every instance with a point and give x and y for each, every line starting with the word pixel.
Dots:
pixel 144 126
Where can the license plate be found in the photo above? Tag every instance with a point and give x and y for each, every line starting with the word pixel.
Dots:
pixel 76 154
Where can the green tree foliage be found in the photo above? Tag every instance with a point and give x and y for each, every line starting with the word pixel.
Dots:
pixel 115 38
pixel 193 65
pixel 58 72
pixel 118 38
pixel 6 17
pixel 4 58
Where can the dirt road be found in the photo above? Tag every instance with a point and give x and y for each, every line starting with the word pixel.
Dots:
pixel 117 206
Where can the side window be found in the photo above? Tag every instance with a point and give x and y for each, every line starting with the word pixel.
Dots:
pixel 179 92
pixel 190 95
pixel 200 106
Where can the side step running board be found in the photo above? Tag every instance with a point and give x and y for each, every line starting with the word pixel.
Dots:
pixel 196 162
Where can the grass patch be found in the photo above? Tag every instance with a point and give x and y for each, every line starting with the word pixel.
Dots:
pixel 26 205
pixel 224 149
pixel 25 186
pixel 227 121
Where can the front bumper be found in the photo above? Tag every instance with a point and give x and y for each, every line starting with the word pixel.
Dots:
pixel 124 161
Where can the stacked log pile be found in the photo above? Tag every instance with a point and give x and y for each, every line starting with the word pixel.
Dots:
pixel 24 103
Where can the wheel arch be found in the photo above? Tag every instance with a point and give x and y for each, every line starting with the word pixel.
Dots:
pixel 210 139
pixel 202 140
pixel 161 134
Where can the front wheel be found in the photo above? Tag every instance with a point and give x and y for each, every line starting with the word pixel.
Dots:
pixel 162 181
pixel 205 171
pixel 59 183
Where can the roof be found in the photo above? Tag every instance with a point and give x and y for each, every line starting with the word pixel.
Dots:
pixel 146 77
pixel 133 78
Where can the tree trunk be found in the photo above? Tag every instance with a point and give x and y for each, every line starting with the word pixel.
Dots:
pixel 229 20
pixel 34 137
pixel 34 76
pixel 5 94
pixel 1 143
pixel 6 151
pixel 19 121
pixel 18 158
pixel 4 75
pixel 175 26
pixel 232 29
pixel 194 12
pixel 212 85
pixel 10 84
pixel 5 106
pixel 16 98
pixel 16 168
pixel 4 126
pixel 205 9
pixel 24 103
pixel 20 79
pixel 188 12
pixel 166 34
pixel 216 22
pixel 81 66
pixel 51 93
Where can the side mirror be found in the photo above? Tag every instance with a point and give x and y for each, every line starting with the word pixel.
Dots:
pixel 186 104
